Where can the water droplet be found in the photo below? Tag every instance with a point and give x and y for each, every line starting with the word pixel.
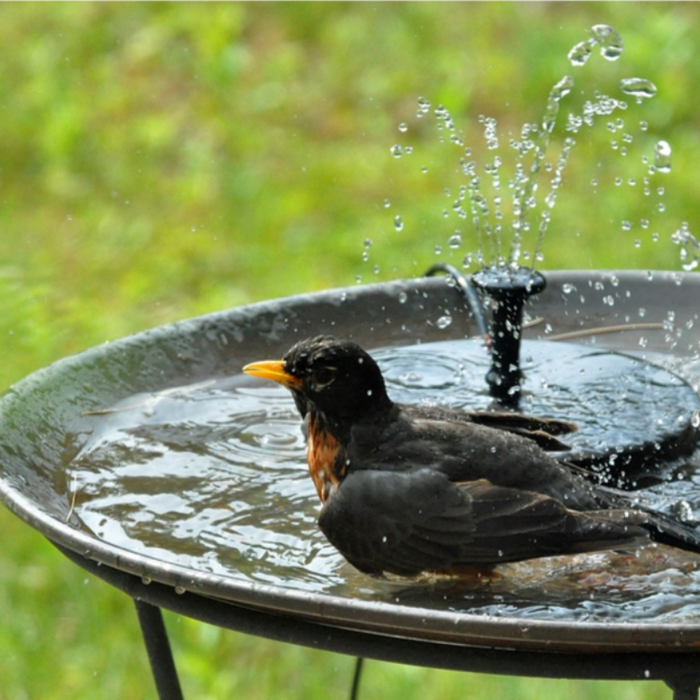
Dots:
pixel 682 511
pixel 386 203
pixel 423 106
pixel 580 53
pixel 562 88
pixel 567 288
pixel 455 240
pixel 398 223
pixel 403 297
pixel 403 127
pixel 690 247
pixel 662 157
pixel 396 150
pixel 610 41
pixel 444 321
pixel 368 243
pixel 639 88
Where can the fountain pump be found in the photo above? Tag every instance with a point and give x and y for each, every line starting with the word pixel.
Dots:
pixel 505 290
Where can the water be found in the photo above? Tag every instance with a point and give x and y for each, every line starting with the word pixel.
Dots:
pixel 496 202
pixel 602 36
pixel 689 245
pixel 662 157
pixel 639 88
pixel 212 476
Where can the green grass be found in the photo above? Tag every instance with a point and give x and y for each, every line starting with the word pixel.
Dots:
pixel 162 161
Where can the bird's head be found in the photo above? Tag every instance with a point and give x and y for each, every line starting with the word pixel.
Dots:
pixel 334 378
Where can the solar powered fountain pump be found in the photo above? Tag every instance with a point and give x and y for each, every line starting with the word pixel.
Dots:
pixel 507 289
pixel 504 289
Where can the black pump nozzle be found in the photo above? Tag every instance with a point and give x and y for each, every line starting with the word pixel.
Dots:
pixel 507 288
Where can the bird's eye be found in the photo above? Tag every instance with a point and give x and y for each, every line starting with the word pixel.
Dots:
pixel 323 376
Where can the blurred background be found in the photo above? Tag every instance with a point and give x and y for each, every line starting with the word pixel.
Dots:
pixel 160 161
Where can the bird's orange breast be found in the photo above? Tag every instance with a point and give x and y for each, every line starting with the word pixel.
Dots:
pixel 323 454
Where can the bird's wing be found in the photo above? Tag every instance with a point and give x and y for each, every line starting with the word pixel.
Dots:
pixel 506 420
pixel 467 452
pixel 542 431
pixel 539 429
pixel 410 522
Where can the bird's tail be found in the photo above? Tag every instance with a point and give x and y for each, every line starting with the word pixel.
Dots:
pixel 662 528
pixel 673 524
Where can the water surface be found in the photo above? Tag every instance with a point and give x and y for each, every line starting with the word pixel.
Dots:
pixel 212 477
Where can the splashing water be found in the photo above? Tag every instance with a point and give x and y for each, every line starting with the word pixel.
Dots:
pixel 531 146
pixel 602 35
pixel 662 157
pixel 690 247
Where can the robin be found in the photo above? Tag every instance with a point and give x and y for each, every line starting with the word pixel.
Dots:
pixel 412 489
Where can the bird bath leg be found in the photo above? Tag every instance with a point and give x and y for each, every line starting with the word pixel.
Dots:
pixel 159 652
pixel 684 687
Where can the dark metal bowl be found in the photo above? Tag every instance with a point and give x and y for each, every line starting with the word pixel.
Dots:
pixel 43 426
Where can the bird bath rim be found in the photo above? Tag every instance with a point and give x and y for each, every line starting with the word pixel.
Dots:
pixel 222 342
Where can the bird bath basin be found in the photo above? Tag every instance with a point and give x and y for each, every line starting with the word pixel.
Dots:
pixel 153 462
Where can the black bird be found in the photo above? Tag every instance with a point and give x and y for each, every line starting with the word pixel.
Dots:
pixel 411 489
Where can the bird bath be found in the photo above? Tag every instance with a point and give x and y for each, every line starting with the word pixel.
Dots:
pixel 154 463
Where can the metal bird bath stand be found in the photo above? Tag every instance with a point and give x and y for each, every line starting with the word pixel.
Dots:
pixel 52 419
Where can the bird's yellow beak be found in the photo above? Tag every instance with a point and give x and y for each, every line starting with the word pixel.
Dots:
pixel 274 370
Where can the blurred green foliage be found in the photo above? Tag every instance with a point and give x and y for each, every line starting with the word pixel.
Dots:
pixel 158 161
